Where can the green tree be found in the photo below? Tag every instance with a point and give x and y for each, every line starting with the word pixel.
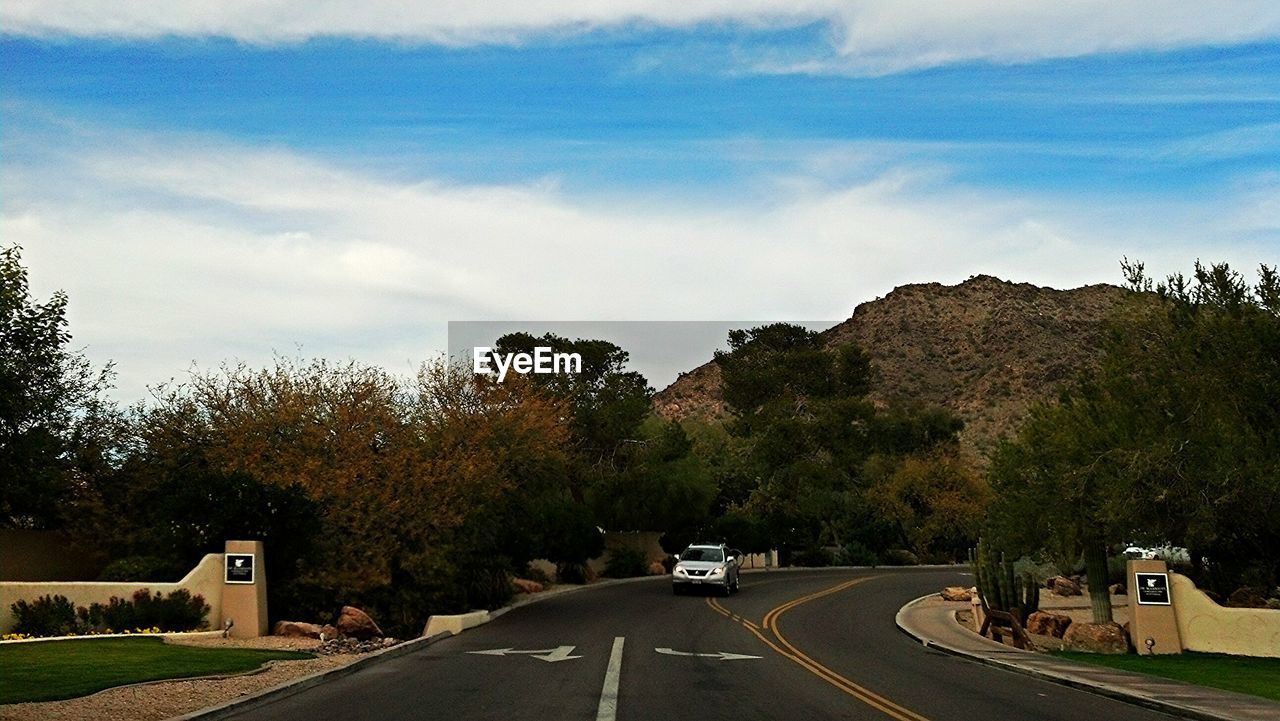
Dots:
pixel 1174 438
pixel 55 421
pixel 803 411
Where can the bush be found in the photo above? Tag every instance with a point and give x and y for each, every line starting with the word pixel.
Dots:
pixel 535 573
pixel 179 611
pixel 572 573
pixel 47 616
pixel 149 569
pixel 626 563
pixel 900 557
pixel 855 553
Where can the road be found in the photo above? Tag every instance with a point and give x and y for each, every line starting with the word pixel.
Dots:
pixel 790 645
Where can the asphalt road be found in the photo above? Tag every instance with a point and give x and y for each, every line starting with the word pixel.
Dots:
pixel 818 645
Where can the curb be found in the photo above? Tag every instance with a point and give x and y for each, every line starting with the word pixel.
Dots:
pixel 1061 679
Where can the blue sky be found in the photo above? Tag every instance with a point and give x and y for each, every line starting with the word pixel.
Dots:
pixel 212 187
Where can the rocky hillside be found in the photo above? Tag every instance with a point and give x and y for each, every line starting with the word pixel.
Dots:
pixel 986 349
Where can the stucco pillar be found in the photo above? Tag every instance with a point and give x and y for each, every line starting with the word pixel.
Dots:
pixel 1154 622
pixel 244 589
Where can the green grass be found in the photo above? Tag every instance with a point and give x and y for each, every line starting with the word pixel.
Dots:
pixel 1243 674
pixel 52 670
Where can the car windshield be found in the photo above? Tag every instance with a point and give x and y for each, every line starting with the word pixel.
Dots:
pixel 713 555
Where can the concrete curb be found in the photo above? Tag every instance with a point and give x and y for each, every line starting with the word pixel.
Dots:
pixel 904 624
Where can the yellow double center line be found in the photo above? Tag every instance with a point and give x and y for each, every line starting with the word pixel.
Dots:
pixel 788 650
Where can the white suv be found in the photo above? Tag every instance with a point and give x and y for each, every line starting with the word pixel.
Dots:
pixel 706 566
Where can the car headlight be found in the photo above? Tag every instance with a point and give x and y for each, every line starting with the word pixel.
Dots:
pixel 678 570
pixel 718 570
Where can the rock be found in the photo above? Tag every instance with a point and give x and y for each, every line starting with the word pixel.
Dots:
pixel 1048 624
pixel 1065 587
pixel 354 623
pixel 296 629
pixel 1117 589
pixel 351 645
pixel 956 593
pixel 1096 638
pixel 328 631
pixel 657 569
pixel 524 585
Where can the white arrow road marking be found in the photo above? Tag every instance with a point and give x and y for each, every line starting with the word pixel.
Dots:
pixel 550 655
pixel 722 655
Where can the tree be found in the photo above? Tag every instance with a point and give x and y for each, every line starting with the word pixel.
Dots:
pixel 802 409
pixel 54 416
pixel 935 501
pixel 1174 438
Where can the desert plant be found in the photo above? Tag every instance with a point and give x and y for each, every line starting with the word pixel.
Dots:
pixel 626 563
pixel 178 611
pixel 46 616
pixel 1001 589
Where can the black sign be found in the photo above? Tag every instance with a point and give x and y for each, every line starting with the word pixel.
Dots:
pixel 1152 589
pixel 239 567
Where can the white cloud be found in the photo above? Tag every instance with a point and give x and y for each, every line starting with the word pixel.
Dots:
pixel 869 36
pixel 176 251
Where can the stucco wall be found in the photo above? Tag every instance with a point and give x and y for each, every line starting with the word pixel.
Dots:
pixel 1206 626
pixel 203 580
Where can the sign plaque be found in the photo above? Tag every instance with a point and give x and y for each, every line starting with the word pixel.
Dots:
pixel 1152 589
pixel 239 568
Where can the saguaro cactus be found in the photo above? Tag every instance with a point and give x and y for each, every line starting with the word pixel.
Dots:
pixel 1000 588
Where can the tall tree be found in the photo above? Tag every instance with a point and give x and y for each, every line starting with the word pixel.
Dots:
pixel 53 412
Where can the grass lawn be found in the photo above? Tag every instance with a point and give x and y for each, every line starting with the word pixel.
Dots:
pixel 51 670
pixel 1244 674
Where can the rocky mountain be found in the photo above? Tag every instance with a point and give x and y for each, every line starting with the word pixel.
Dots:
pixel 986 349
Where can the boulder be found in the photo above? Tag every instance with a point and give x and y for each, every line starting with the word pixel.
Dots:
pixel 1117 589
pixel 354 623
pixel 956 593
pixel 1065 587
pixel 297 629
pixel 1048 624
pixel 328 631
pixel 657 569
pixel 1096 638
pixel 524 585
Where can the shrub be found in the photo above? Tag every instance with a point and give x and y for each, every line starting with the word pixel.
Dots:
pixel 535 573
pixel 150 569
pixel 626 563
pixel 855 553
pixel 179 611
pixel 900 557
pixel 572 573
pixel 46 616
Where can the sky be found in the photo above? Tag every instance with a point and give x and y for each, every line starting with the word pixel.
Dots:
pixel 232 182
